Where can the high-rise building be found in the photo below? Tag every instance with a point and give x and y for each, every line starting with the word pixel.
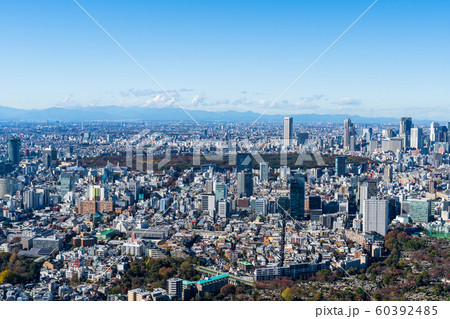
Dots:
pixel 419 210
pixel 220 190
pixel 245 184
pixel 209 186
pixel 175 288
pixel 287 131
pixel 405 131
pixel 434 129
pixel 417 138
pixel 297 196
pixel 224 208
pixel 349 132
pixel 387 176
pixel 363 192
pixel 367 134
pixel 264 171
pixel 375 214
pixel 67 182
pixel 8 186
pixel 49 156
pixel 261 206
pixel 340 165
pixel 283 204
pixel 244 162
pixel 208 202
pixel 97 192
pixel 14 150
pixel 302 138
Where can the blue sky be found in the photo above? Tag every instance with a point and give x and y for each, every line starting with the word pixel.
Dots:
pixel 229 55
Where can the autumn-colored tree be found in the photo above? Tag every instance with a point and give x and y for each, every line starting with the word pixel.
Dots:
pixel 288 294
pixel 228 290
pixel 6 276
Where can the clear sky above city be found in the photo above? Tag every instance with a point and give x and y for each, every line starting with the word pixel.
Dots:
pixel 229 55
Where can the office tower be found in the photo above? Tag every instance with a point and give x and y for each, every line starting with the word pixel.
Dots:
pixel 302 138
pixel 14 150
pixel 364 192
pixel 220 190
pixel 434 131
pixel 416 138
pixel 209 186
pixel 442 134
pixel 432 186
pixel 224 208
pixel 50 157
pixel 388 133
pixel 372 188
pixel 405 131
pixel 419 210
pixel 387 176
pixel 393 144
pixel 8 186
pixel 208 202
pixel 245 184
pixel 297 196
pixel 283 204
pixel 375 214
pixel 313 202
pixel 349 131
pixel 135 188
pixel 285 171
pixel 264 171
pixel 67 182
pixel 261 206
pixel 367 134
pixel 97 193
pixel 175 288
pixel 244 162
pixel 340 165
pixel 287 131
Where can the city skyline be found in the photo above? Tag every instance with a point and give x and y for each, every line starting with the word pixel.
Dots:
pixel 61 58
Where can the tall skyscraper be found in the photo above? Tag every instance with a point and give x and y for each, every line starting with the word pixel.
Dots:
pixel 416 138
pixel 244 184
pixel 14 150
pixel 302 138
pixel 375 214
pixel 224 208
pixel 434 129
pixel 405 130
pixel 287 131
pixel 297 196
pixel 387 176
pixel 349 132
pixel 264 171
pixel 340 164
pixel 367 134
pixel 244 161
pixel 220 190
pixel 67 182
pixel 49 156
pixel 363 192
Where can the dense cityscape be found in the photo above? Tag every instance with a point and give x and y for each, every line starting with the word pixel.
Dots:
pixel 142 210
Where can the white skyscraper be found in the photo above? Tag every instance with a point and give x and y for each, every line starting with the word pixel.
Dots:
pixel 287 131
pixel 416 138
pixel 375 214
pixel 434 131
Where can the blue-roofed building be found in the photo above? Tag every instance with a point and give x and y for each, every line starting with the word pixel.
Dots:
pixel 210 285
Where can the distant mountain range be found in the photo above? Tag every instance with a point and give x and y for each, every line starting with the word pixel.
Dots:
pixel 120 113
